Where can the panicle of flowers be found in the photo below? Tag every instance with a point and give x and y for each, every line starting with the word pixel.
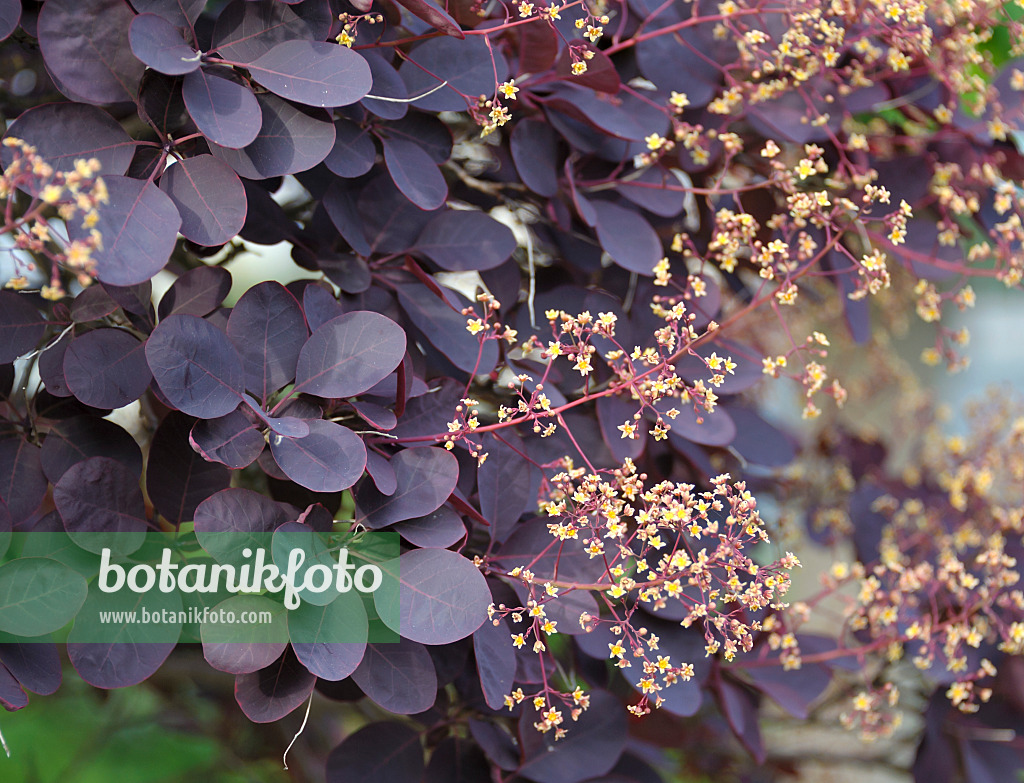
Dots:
pixel 349 28
pixel 74 195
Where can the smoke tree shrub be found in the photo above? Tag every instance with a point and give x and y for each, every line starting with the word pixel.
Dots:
pixel 651 210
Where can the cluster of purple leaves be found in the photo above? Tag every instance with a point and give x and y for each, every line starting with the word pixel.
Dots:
pixel 318 393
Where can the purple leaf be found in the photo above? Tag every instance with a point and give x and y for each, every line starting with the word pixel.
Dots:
pixel 236 511
pixel 320 306
pixel 73 440
pixel 268 329
pixel 195 366
pixel 106 368
pixel 387 83
pixel 226 112
pixel 136 299
pixel 313 72
pixel 438 529
pixel 232 440
pixel 425 477
pixel 465 65
pixel 709 429
pixel 92 304
pixel 315 631
pixel 458 760
pixel 495 662
pixel 349 354
pixel 390 222
pixel 794 694
pixel 10 15
pixel 51 367
pixel 656 190
pixel 329 459
pixel 353 153
pixel 534 147
pixel 197 292
pixel 161 46
pixel 414 173
pixel 612 412
pixel 244 649
pixel 759 442
pixel 339 202
pixel 461 240
pixel 117 664
pixel 95 63
pixel 64 132
pixel 740 709
pixel 437 596
pixel 34 663
pixel 139 225
pixel 245 31
pixel 21 326
pixel 445 327
pixel 375 415
pixel 433 15
pixel 399 677
pixel 381 472
pixel 177 478
pixel 497 744
pixel 627 237
pixel 180 13
pixel 22 482
pixel 505 481
pixel 589 750
pixel 209 197
pixel 265 222
pixel 271 693
pixel 290 139
pixel 385 751
pixel 100 495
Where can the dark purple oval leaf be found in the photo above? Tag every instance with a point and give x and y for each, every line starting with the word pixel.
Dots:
pixel 139 225
pixel 534 146
pixel 106 368
pixel 329 459
pixel 400 677
pixel 252 646
pixel 161 46
pixel 64 132
pixel 10 15
pixel 414 173
pixel 437 596
pixel 35 664
pixel 353 153
pixel 245 30
pixel 92 304
pixel 73 440
pixel 425 479
pixel 759 442
pixel 177 478
pixel 209 197
pixel 273 692
pixel 232 440
pixel 117 664
pixel 290 139
pixel 445 327
pixel 180 13
pixel 237 511
pixel 589 749
pixel 440 528
pixel 460 240
pixel 627 237
pixel 378 752
pixel 197 292
pixel 313 630
pixel 320 305
pixel 495 662
pixel 465 65
pixel 387 83
pixel 268 329
pixel 315 73
pixel 433 15
pixel 381 472
pixel 22 481
pixel 349 354
pixel 226 112
pixel 100 495
pixel 85 46
pixel 709 429
pixel 195 366
pixel 21 326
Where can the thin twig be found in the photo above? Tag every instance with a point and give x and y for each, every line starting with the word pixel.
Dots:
pixel 284 756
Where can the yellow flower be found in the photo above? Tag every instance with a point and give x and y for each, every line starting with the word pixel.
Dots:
pixel 579 68
pixel 509 89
